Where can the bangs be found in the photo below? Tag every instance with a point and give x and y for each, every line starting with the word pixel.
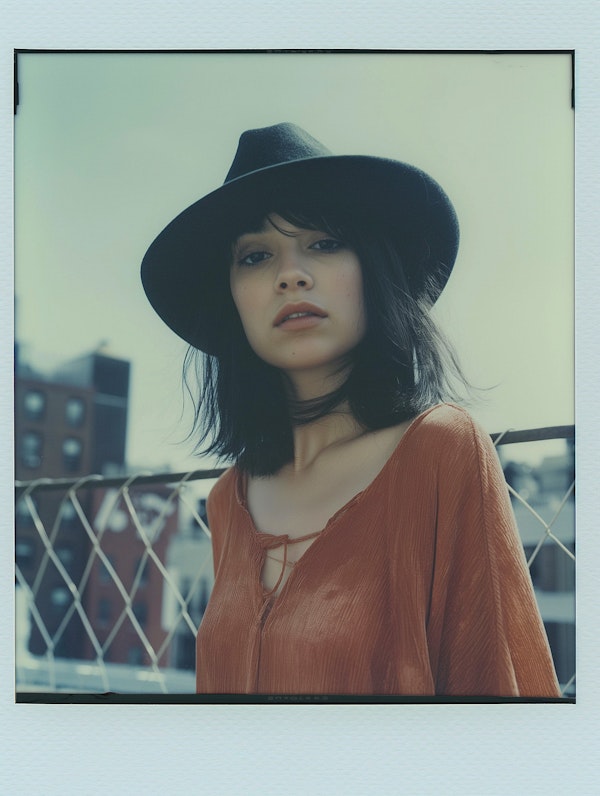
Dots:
pixel 316 220
pixel 307 207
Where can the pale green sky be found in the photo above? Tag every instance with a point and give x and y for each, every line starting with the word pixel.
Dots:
pixel 109 147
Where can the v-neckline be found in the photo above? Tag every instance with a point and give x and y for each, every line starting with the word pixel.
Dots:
pixel 258 537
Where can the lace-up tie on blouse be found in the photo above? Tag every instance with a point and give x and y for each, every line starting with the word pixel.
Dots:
pixel 268 541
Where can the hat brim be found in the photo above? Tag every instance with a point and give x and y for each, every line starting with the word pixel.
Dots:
pixel 187 282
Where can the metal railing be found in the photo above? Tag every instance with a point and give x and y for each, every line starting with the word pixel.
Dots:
pixel 141 544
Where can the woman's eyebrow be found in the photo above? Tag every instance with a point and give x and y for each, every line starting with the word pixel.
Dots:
pixel 265 226
pixel 248 237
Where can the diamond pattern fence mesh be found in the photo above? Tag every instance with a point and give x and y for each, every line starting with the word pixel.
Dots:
pixel 113 575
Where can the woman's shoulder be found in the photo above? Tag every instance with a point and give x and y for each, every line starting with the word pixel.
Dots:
pixel 447 433
pixel 446 423
pixel 224 489
pixel 447 452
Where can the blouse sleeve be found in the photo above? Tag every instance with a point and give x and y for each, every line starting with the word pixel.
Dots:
pixel 485 633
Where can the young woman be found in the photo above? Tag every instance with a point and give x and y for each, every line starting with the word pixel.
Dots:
pixel 363 539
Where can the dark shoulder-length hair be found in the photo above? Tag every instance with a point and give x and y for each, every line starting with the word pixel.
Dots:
pixel 402 366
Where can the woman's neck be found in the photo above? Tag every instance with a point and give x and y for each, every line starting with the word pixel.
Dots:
pixel 312 439
pixel 335 428
pixel 313 383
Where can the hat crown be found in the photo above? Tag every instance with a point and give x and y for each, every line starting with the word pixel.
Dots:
pixel 272 146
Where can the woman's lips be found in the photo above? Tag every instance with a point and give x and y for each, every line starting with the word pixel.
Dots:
pixel 301 312
pixel 300 321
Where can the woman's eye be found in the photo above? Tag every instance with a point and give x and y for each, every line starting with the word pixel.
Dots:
pixel 327 245
pixel 253 258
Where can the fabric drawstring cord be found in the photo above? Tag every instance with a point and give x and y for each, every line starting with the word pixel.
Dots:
pixel 269 541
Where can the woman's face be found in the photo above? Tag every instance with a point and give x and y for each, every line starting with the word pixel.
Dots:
pixel 299 294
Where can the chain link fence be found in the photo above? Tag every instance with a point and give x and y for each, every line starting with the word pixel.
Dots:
pixel 113 575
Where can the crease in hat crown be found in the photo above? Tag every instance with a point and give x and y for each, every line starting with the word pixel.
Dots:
pixel 272 146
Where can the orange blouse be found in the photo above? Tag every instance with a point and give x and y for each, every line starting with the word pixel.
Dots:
pixel 429 594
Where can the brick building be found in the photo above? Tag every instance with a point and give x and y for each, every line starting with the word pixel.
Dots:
pixel 67 425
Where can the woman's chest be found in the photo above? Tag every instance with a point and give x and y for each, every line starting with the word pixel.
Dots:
pixel 300 514
pixel 300 503
pixel 301 506
pixel 369 559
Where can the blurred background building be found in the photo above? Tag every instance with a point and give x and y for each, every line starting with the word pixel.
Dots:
pixel 543 489
pixel 68 424
pixel 71 423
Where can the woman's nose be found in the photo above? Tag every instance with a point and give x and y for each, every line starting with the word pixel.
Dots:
pixel 293 275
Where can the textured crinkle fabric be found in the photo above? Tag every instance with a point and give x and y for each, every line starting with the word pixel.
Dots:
pixel 417 586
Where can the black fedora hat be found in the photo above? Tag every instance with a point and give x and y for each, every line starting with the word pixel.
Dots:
pixel 185 273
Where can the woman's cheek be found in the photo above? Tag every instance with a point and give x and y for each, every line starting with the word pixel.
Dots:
pixel 252 316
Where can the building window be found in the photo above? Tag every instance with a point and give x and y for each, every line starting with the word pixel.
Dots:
pixel 75 412
pixel 552 570
pixel 203 596
pixel 63 648
pixel 140 611
pixel 198 600
pixel 34 404
pixel 104 611
pixel 23 514
pixel 103 573
pixel 68 515
pixel 71 449
pixel 185 655
pixel 31 449
pixel 24 553
pixel 60 597
pixel 561 637
pixel 66 556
